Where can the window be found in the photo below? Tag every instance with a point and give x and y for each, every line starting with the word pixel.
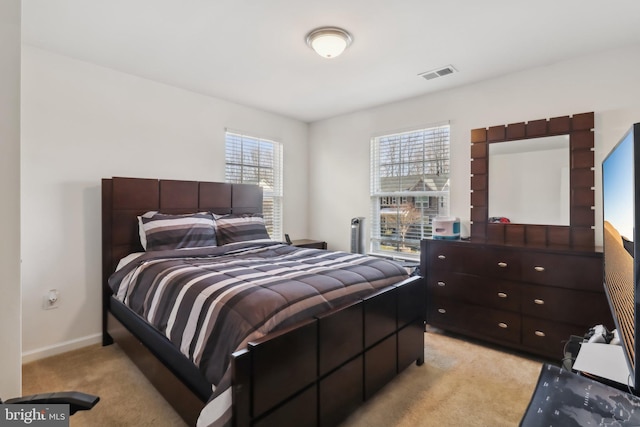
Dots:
pixel 409 187
pixel 250 160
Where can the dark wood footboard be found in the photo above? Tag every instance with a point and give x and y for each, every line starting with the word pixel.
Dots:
pixel 316 373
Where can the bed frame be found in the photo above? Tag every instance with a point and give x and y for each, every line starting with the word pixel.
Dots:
pixel 314 373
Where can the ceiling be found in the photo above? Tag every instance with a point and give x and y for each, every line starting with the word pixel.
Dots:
pixel 253 52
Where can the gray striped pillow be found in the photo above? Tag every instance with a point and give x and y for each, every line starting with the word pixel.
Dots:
pixel 240 228
pixel 143 236
pixel 165 231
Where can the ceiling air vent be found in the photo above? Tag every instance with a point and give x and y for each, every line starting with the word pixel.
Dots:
pixel 430 75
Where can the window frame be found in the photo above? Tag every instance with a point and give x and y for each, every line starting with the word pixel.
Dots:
pixel 265 169
pixel 397 227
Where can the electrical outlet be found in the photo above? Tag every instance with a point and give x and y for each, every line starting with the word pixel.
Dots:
pixel 51 300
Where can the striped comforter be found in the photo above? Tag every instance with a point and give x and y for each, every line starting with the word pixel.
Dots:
pixel 212 301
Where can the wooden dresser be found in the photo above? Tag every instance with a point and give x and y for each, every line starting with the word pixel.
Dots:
pixel 531 299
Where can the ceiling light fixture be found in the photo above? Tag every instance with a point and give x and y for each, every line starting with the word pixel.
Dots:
pixel 329 42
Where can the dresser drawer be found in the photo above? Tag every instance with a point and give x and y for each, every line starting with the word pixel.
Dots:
pixel 566 271
pixel 479 321
pixel 446 256
pixel 546 337
pixel 495 293
pixel 565 305
pixel 467 259
pixel 502 264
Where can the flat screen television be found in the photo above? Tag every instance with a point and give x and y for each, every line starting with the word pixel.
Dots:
pixel 621 217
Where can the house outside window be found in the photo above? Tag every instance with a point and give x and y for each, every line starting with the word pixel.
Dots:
pixel 409 187
pixel 252 160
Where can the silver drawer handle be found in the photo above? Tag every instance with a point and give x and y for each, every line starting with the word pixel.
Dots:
pixel 442 284
pixel 540 334
pixel 441 257
pixel 442 311
pixel 539 301
pixel 502 295
pixel 502 264
pixel 538 268
pixel 503 325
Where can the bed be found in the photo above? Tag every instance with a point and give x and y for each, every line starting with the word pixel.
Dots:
pixel 307 366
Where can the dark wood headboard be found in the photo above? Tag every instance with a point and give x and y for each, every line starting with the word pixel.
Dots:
pixel 124 199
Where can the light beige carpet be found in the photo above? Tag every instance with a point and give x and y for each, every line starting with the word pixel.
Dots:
pixel 462 383
pixel 126 397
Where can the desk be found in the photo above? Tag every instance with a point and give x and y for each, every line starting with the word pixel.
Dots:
pixel 563 398
pixel 604 363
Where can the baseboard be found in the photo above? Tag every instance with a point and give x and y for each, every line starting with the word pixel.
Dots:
pixel 64 347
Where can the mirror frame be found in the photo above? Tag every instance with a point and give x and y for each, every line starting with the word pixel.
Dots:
pixel 580 233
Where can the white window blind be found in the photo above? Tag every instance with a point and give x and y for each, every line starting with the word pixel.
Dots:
pixel 251 160
pixel 409 187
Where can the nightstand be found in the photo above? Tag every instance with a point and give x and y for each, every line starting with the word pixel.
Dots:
pixel 307 243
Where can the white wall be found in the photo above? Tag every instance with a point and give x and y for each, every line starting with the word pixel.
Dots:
pixel 80 123
pixel 10 318
pixel 605 83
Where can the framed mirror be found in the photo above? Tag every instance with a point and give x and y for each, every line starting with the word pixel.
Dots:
pixel 544 183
